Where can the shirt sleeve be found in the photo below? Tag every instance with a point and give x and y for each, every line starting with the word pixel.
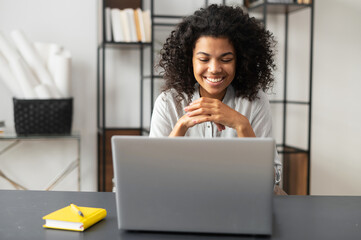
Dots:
pixel 262 126
pixel 160 123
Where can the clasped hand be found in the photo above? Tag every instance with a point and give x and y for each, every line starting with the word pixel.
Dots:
pixel 213 110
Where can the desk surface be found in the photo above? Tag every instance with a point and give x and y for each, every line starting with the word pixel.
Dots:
pixel 295 217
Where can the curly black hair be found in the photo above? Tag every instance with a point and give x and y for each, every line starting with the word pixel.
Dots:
pixel 253 45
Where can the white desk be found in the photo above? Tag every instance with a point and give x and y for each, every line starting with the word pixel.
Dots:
pixel 15 140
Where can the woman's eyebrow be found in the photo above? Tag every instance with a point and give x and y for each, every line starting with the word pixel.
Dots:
pixel 198 53
pixel 222 55
pixel 227 53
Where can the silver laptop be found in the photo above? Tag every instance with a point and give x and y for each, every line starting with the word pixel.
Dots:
pixel 222 185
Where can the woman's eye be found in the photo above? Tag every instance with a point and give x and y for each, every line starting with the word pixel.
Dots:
pixel 227 60
pixel 203 59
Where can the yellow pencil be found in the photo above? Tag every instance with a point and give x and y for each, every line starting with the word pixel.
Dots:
pixel 76 209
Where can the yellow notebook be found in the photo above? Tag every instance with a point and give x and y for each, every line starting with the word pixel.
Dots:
pixel 68 219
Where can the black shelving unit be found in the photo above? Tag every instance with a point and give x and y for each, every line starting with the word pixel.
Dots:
pixel 105 171
pixel 159 20
pixel 105 132
pixel 264 8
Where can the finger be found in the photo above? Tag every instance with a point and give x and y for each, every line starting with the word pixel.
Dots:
pixel 204 100
pixel 220 127
pixel 198 106
pixel 206 118
pixel 200 111
pixel 191 121
pixel 201 119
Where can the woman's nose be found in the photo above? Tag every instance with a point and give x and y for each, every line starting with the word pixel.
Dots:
pixel 214 67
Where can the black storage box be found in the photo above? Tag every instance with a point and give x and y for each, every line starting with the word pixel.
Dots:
pixel 43 116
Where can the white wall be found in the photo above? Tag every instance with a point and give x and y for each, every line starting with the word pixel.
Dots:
pixel 336 115
pixel 337 59
pixel 336 153
pixel 73 25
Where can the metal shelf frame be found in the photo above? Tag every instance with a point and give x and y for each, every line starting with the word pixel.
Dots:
pixel 101 93
pixel 265 8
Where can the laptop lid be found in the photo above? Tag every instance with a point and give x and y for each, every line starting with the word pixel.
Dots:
pixel 221 185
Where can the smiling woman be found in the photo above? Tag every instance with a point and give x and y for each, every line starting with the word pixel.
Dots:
pixel 214 66
pixel 217 65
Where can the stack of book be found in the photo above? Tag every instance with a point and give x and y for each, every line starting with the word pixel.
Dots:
pixel 127 25
pixel 304 1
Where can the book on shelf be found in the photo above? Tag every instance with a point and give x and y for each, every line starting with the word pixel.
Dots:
pixel 147 25
pixel 108 22
pixel 138 16
pixel 304 1
pixel 128 25
pixel 116 23
pixel 74 218
pixel 131 24
pixel 125 26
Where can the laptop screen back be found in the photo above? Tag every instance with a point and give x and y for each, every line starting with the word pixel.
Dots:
pixel 194 185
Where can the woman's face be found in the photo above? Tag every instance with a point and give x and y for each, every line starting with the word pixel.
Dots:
pixel 214 65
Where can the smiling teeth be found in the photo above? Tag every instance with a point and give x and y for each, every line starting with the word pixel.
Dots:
pixel 214 80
